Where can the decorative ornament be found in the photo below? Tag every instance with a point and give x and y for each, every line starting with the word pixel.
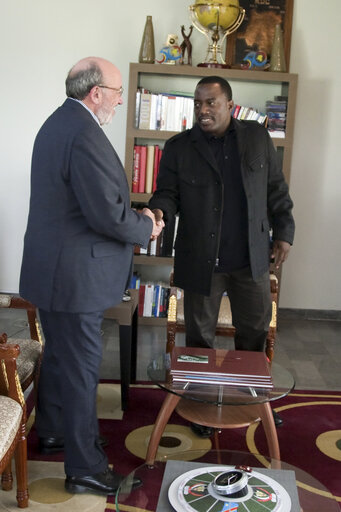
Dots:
pixel 171 52
pixel 147 49
pixel 277 61
pixel 255 60
pixel 186 46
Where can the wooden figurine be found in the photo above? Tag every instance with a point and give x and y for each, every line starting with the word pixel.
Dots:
pixel 186 45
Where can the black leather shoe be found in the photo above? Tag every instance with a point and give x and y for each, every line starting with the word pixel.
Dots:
pixel 201 430
pixel 277 419
pixel 48 445
pixel 106 483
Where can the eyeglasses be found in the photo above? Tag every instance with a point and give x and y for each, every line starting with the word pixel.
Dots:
pixel 116 89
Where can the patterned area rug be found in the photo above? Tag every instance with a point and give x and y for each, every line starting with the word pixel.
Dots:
pixel 310 437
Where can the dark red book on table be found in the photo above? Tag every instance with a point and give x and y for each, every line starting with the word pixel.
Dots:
pixel 246 367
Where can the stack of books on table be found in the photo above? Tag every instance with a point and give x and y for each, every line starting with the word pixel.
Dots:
pixel 236 368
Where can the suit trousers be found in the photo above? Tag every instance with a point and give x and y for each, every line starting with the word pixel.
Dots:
pixel 67 390
pixel 250 306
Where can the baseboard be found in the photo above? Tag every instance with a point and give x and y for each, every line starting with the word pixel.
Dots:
pixel 309 314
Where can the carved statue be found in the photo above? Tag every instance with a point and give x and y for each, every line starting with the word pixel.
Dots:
pixel 186 45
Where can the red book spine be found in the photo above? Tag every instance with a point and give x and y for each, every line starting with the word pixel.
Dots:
pixel 143 162
pixel 141 299
pixel 236 111
pixel 156 166
pixel 136 169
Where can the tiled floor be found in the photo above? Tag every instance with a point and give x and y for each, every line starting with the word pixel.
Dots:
pixel 309 349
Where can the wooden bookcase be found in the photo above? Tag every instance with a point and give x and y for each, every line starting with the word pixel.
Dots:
pixel 250 88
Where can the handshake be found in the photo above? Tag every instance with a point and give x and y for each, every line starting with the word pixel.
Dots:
pixel 158 223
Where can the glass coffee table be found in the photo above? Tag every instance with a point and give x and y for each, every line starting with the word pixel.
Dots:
pixel 173 483
pixel 216 405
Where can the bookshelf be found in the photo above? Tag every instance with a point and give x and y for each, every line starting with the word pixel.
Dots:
pixel 251 88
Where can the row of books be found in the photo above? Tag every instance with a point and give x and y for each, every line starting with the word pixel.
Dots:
pixel 225 367
pixel 164 244
pixel 153 300
pixel 249 114
pixel 145 168
pixel 276 110
pixel 171 112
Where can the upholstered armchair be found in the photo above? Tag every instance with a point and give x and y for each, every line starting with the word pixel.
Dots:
pixel 28 362
pixel 12 425
pixel 176 322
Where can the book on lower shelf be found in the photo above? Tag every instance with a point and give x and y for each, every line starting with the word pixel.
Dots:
pixel 227 367
pixel 153 300
pixel 146 163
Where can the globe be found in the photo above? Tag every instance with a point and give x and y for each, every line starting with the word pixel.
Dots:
pixel 207 13
pixel 216 19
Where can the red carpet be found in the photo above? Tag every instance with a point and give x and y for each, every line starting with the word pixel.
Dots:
pixel 310 437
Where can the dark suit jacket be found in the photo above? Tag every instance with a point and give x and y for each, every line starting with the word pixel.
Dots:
pixel 190 183
pixel 78 245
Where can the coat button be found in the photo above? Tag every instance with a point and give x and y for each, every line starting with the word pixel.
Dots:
pixel 212 235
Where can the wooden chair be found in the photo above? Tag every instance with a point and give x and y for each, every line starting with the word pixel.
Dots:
pixel 12 425
pixel 176 323
pixel 31 349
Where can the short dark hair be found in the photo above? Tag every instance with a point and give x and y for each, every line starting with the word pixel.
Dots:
pixel 79 84
pixel 225 86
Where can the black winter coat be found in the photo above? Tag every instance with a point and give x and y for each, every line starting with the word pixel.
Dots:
pixel 189 183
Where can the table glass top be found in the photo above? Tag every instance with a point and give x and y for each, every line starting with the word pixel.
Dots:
pixel 221 394
pixel 275 481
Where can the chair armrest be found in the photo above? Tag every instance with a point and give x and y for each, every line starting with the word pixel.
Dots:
pixel 16 302
pixel 273 283
pixel 9 380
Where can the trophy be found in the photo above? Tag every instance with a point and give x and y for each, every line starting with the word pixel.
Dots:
pixel 216 20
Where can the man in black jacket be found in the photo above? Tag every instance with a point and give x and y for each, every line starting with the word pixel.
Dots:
pixel 224 179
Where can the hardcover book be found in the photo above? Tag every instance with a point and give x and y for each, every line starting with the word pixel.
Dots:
pixel 205 365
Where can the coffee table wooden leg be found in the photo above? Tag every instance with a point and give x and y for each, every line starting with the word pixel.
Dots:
pixel 166 410
pixel 269 426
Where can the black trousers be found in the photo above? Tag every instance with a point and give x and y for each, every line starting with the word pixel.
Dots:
pixel 68 388
pixel 250 305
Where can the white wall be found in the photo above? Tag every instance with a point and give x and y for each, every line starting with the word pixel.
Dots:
pixel 42 39
pixel 311 276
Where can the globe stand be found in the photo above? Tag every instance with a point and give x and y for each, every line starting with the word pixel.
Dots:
pixel 216 21
pixel 211 58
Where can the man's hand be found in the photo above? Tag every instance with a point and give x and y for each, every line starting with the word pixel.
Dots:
pixel 158 224
pixel 158 215
pixel 280 252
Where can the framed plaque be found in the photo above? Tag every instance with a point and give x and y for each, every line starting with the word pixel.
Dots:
pixel 256 33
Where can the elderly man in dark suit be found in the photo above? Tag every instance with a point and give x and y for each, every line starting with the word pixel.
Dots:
pixel 224 179
pixel 77 262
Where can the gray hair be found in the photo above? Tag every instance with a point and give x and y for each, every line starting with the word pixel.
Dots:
pixel 79 83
